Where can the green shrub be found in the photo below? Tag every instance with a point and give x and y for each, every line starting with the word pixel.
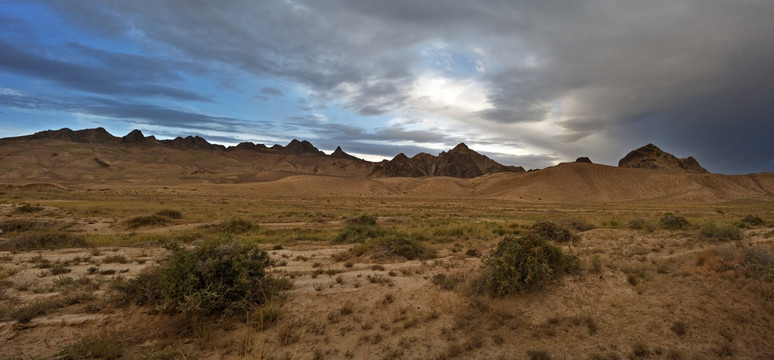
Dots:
pixel 523 263
pixel 673 222
pixel 18 225
pixel 357 233
pixel 146 220
pixel 27 208
pixel 577 224
pixel 446 282
pixel 234 226
pixel 715 232
pixel 215 277
pixel 369 220
pixel 392 246
pixel 752 220
pixel 549 231
pixel 169 213
pixel 43 240
pixel 758 263
pixel 90 348
pixel 641 224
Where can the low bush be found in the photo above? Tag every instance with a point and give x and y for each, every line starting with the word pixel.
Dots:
pixel 576 224
pixel 523 263
pixel 234 226
pixel 758 263
pixel 641 224
pixel 446 282
pixel 752 220
pixel 549 231
pixel 715 232
pixel 19 225
pixel 216 277
pixel 90 348
pixel 386 247
pixel 43 240
pixel 27 208
pixel 146 220
pixel 671 221
pixel 169 213
pixel 369 220
pixel 357 233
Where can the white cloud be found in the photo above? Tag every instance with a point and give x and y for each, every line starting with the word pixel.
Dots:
pixel 463 94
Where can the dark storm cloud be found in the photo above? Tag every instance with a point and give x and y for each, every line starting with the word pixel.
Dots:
pixel 689 75
pixel 101 72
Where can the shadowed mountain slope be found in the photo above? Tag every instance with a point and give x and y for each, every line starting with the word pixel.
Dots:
pixel 651 157
pixel 459 162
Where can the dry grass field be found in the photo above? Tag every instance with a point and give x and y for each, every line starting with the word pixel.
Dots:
pixel 387 269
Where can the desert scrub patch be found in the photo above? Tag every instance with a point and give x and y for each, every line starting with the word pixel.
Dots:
pixel 576 224
pixel 393 246
pixel 671 221
pixel 714 232
pixel 146 220
pixel 169 213
pixel 28 209
pixel 758 263
pixel 358 233
pixel 752 220
pixel 20 225
pixel 521 263
pixel 43 240
pixel 446 282
pixel 215 277
pixel 641 224
pixel 91 348
pixel 549 231
pixel 233 226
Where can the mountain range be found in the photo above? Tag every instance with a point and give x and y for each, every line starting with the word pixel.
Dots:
pixel 94 158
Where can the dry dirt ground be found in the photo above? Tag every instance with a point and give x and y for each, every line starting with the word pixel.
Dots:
pixel 640 294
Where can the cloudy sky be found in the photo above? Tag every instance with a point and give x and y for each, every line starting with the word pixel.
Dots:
pixel 529 83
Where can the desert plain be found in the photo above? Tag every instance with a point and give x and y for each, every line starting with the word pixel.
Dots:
pixel 669 264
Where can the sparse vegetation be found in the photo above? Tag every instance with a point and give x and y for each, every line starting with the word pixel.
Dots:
pixel 752 220
pixel 714 232
pixel 671 221
pixel 43 240
pixel 446 282
pixel 549 231
pixel 215 277
pixel 91 348
pixel 393 246
pixel 523 263
pixel 641 224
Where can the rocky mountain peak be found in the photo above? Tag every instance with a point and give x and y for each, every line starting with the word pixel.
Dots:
pixel 651 157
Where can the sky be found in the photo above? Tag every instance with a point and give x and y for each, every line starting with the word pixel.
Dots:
pixel 528 83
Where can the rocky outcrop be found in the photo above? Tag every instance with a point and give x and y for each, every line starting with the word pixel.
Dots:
pixel 301 147
pixel 458 162
pixel 136 137
pixel 651 157
pixel 339 153
pixel 583 159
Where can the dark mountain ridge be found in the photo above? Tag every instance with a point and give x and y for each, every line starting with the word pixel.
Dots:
pixel 460 162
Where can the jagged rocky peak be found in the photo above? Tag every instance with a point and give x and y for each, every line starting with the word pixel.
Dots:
pixel 136 137
pixel 301 147
pixel 97 135
pixel 339 153
pixel 460 161
pixel 651 157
